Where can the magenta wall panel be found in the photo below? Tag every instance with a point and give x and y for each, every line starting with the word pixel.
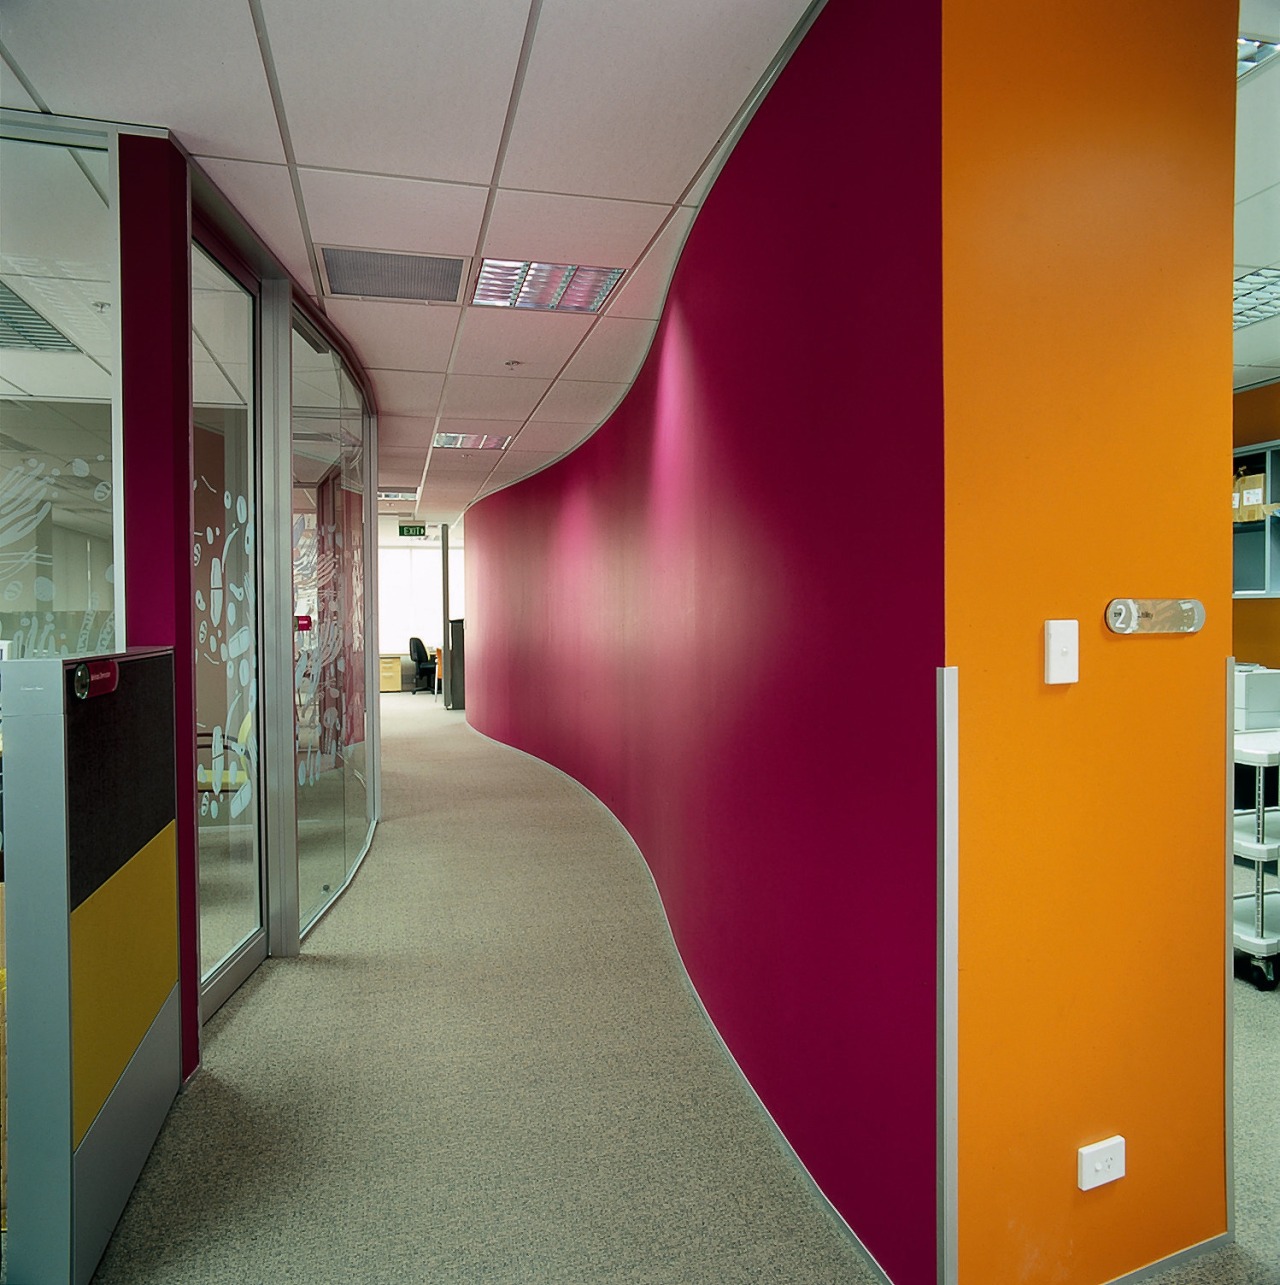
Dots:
pixel 724 614
pixel 155 319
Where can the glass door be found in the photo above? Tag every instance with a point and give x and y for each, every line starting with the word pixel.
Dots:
pixel 224 555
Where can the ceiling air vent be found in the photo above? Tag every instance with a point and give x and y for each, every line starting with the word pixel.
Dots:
pixel 375 274
pixel 21 326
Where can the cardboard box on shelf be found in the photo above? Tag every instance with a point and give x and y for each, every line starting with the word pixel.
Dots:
pixel 1247 495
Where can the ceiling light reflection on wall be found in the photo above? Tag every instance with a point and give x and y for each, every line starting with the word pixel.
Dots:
pixel 548 287
pixel 1256 297
pixel 471 441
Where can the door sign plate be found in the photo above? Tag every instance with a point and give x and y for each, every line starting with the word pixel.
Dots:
pixel 1155 615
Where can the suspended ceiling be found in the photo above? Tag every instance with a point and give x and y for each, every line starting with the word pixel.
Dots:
pixel 569 131
pixel 1257 347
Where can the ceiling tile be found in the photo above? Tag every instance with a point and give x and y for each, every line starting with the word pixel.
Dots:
pixel 400 476
pixel 570 229
pixel 397 336
pixel 643 291
pixel 400 458
pixel 219 385
pixel 402 432
pixel 1257 110
pixel 1258 226
pixel 57 375
pixel 613 350
pixel 368 211
pixel 406 89
pixel 550 439
pixel 132 60
pixel 576 401
pixel 540 341
pixel 456 465
pixel 223 322
pixel 79 243
pixel 641 123
pixel 12 93
pixel 1259 344
pixel 263 194
pixel 406 392
pixel 1252 376
pixel 491 397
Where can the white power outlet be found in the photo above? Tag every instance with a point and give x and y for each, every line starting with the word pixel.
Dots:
pixel 1100 1162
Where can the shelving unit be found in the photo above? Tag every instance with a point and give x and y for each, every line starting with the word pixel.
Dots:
pixel 1256 545
pixel 1256 914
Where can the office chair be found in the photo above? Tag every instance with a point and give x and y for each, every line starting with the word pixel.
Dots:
pixel 424 667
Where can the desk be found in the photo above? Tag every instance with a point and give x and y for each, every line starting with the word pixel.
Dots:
pixel 389 674
pixel 1251 911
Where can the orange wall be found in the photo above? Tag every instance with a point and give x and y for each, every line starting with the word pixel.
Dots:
pixel 1087 234
pixel 1257 620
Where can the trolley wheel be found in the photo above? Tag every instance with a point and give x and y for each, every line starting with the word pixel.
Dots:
pixel 1264 974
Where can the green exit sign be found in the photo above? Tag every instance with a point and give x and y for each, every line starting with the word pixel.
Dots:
pixel 413 528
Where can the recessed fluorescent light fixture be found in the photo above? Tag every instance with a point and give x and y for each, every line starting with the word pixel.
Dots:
pixel 1249 53
pixel 396 495
pixel 471 441
pixel 548 287
pixel 23 328
pixel 1256 297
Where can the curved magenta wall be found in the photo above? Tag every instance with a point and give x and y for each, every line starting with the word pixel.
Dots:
pixel 724 614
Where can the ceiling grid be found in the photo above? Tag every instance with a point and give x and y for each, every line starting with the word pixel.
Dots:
pixel 577 132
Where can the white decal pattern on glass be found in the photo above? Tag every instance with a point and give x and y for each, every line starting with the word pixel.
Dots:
pixel 225 611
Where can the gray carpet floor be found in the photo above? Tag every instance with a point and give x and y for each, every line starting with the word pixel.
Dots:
pixel 486 1066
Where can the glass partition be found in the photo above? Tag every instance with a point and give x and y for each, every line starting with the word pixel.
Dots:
pixel 58 424
pixel 226 612
pixel 57 362
pixel 329 432
pixel 352 553
pixel 57 421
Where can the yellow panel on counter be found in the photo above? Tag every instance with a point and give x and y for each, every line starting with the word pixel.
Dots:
pixel 124 963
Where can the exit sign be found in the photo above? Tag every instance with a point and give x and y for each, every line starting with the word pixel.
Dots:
pixel 413 528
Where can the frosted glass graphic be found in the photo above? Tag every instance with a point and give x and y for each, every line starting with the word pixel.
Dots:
pixel 329 661
pixel 226 612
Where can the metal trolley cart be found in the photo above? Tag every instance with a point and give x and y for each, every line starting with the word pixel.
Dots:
pixel 1256 914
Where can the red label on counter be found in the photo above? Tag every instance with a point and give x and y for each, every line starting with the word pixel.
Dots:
pixel 95 678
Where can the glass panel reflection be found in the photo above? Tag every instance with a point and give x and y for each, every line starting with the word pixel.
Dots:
pixel 328 542
pixel 57 356
pixel 226 613
pixel 351 569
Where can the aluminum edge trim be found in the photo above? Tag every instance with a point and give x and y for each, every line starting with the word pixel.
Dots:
pixel 948 972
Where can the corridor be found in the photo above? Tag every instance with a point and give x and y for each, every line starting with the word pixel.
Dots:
pixel 485 1066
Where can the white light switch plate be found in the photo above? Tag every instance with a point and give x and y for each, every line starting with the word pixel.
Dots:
pixel 1100 1162
pixel 1061 651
